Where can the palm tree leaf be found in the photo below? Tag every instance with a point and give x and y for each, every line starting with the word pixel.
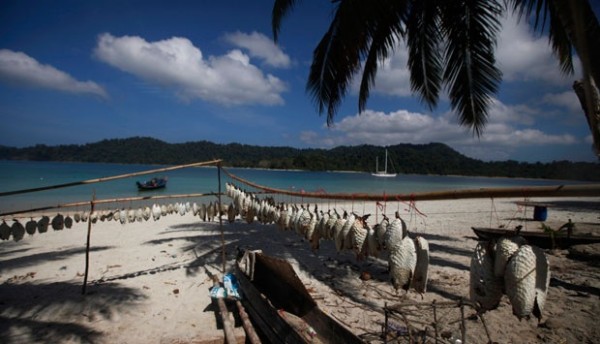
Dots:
pixel 470 74
pixel 280 9
pixel 424 56
pixel 384 37
pixel 338 55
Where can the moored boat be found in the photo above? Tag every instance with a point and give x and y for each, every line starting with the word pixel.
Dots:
pixel 152 184
pixel 546 240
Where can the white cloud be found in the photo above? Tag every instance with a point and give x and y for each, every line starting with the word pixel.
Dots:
pixel 20 69
pixel 503 134
pixel 259 45
pixel 229 79
pixel 523 55
pixel 567 100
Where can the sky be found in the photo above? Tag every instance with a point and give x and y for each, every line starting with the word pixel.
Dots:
pixel 76 72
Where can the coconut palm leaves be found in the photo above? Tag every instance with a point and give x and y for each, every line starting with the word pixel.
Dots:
pixel 450 44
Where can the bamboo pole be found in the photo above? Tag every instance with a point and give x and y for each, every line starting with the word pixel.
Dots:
pixel 222 308
pixel 87 246
pixel 110 200
pixel 106 179
pixel 524 191
pixel 247 324
pixel 221 218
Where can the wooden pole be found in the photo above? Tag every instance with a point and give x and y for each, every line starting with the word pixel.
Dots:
pixel 227 325
pixel 111 200
pixel 250 332
pixel 87 246
pixel 221 218
pixel 579 190
pixel 106 179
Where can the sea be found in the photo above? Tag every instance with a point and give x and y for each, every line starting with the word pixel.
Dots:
pixel 24 175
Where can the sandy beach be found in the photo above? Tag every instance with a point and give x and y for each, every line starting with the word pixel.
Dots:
pixel 149 281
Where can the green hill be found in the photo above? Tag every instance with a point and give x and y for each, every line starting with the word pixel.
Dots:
pixel 432 158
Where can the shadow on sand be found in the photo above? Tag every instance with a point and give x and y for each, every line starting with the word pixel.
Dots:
pixel 32 312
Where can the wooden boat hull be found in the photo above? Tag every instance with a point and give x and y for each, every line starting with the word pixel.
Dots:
pixel 540 239
pixel 281 307
pixel 154 184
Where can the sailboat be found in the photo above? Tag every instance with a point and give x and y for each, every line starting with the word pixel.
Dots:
pixel 383 173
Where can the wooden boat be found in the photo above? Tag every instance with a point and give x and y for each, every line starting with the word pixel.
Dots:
pixel 152 184
pixel 281 307
pixel 561 239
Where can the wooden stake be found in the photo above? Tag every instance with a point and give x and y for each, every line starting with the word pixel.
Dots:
pixel 252 336
pixel 87 246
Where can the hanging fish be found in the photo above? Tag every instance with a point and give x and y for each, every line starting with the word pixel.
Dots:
pixel 231 213
pixel 485 288
pixel 310 229
pixel 156 212
pixel 123 214
pixel 372 247
pixel 402 261
pixel 337 232
pixel 195 209
pixel 77 217
pixel 164 210
pixel 526 281
pixel 31 227
pixel 4 231
pixel 329 225
pixel 131 216
pixel 94 217
pixel 68 221
pixel 394 234
pixel 84 216
pixel 58 222
pixel 505 248
pixel 358 235
pixel 380 231
pixel 202 212
pixel 419 280
pixel 18 231
pixel 303 221
pixel 147 213
pixel 43 224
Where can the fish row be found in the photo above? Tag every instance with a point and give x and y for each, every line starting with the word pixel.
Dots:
pixel 509 266
pixel 17 230
pixel 408 257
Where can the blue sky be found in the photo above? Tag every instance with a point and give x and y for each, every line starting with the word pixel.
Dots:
pixel 75 72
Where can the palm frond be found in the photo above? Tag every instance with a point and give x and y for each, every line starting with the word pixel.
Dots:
pixel 424 56
pixel 384 36
pixel 280 9
pixel 338 55
pixel 470 74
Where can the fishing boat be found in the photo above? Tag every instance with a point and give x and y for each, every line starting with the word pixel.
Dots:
pixel 547 240
pixel 280 305
pixel 152 184
pixel 383 173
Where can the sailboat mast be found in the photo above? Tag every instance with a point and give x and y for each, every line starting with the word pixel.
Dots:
pixel 385 161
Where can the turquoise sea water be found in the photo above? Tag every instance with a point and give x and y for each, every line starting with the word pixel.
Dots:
pixel 17 175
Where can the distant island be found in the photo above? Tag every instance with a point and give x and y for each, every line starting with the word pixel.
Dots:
pixel 432 158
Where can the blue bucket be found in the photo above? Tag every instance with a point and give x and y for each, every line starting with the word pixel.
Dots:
pixel 540 213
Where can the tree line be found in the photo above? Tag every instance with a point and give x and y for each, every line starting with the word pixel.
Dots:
pixel 432 158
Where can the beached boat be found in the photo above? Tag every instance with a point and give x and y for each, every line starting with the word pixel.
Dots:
pixel 152 184
pixel 559 239
pixel 281 307
pixel 383 173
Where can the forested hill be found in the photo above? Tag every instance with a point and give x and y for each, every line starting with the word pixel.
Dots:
pixel 433 158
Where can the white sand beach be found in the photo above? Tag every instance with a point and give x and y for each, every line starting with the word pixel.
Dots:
pixel 149 281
